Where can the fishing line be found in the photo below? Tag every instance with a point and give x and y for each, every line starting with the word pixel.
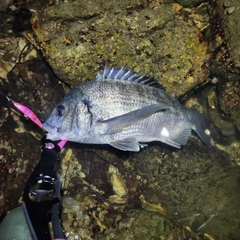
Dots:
pixel 31 115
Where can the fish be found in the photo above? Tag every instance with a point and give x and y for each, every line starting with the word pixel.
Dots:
pixel 125 110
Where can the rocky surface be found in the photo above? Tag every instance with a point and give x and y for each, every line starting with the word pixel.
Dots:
pixel 161 192
pixel 157 39
pixel 191 3
pixel 225 58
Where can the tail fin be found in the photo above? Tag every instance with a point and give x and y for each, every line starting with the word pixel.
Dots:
pixel 200 124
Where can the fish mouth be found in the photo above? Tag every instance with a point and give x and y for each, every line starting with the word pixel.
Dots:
pixel 50 129
pixel 53 132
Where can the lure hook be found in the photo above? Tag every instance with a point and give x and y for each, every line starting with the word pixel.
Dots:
pixel 8 98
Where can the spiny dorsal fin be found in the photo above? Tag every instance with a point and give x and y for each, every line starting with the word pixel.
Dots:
pixel 127 75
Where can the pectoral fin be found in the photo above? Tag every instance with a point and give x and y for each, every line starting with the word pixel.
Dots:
pixel 128 144
pixel 119 123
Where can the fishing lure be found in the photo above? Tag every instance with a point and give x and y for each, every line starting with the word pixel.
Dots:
pixel 31 115
pixel 25 110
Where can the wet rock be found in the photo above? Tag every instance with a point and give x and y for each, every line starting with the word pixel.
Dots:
pixel 232 150
pixel 22 83
pixel 224 124
pixel 212 98
pixel 109 194
pixel 75 213
pixel 227 128
pixel 12 52
pixel 238 125
pixel 33 84
pixel 4 4
pixel 200 16
pixel 158 180
pixel 225 66
pixel 191 3
pixel 158 39
pixel 119 186
pixel 229 98
pixel 17 161
pixel 129 228
pixel 229 11
pixel 11 46
pixel 223 98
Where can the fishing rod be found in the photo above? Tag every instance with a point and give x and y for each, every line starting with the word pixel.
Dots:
pixel 44 183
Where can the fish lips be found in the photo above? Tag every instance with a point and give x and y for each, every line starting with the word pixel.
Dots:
pixel 49 128
pixel 53 132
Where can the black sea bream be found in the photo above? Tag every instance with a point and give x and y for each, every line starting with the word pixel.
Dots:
pixel 124 110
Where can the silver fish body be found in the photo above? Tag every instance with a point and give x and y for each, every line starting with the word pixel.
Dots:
pixel 124 110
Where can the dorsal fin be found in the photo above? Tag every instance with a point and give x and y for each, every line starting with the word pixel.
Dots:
pixel 127 75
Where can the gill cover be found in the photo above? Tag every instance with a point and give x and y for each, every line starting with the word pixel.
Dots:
pixel 83 119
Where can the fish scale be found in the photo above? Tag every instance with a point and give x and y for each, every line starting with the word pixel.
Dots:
pixel 121 97
pixel 124 110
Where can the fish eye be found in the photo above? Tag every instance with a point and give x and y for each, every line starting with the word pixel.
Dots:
pixel 60 110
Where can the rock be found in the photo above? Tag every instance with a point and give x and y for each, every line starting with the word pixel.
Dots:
pixel 158 40
pixel 232 150
pixel 190 3
pixel 225 64
pixel 32 84
pixel 238 125
pixel 110 194
pixel 226 128
pixel 17 160
pixel 200 16
pixel 230 11
pixel 119 186
pixel 4 4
